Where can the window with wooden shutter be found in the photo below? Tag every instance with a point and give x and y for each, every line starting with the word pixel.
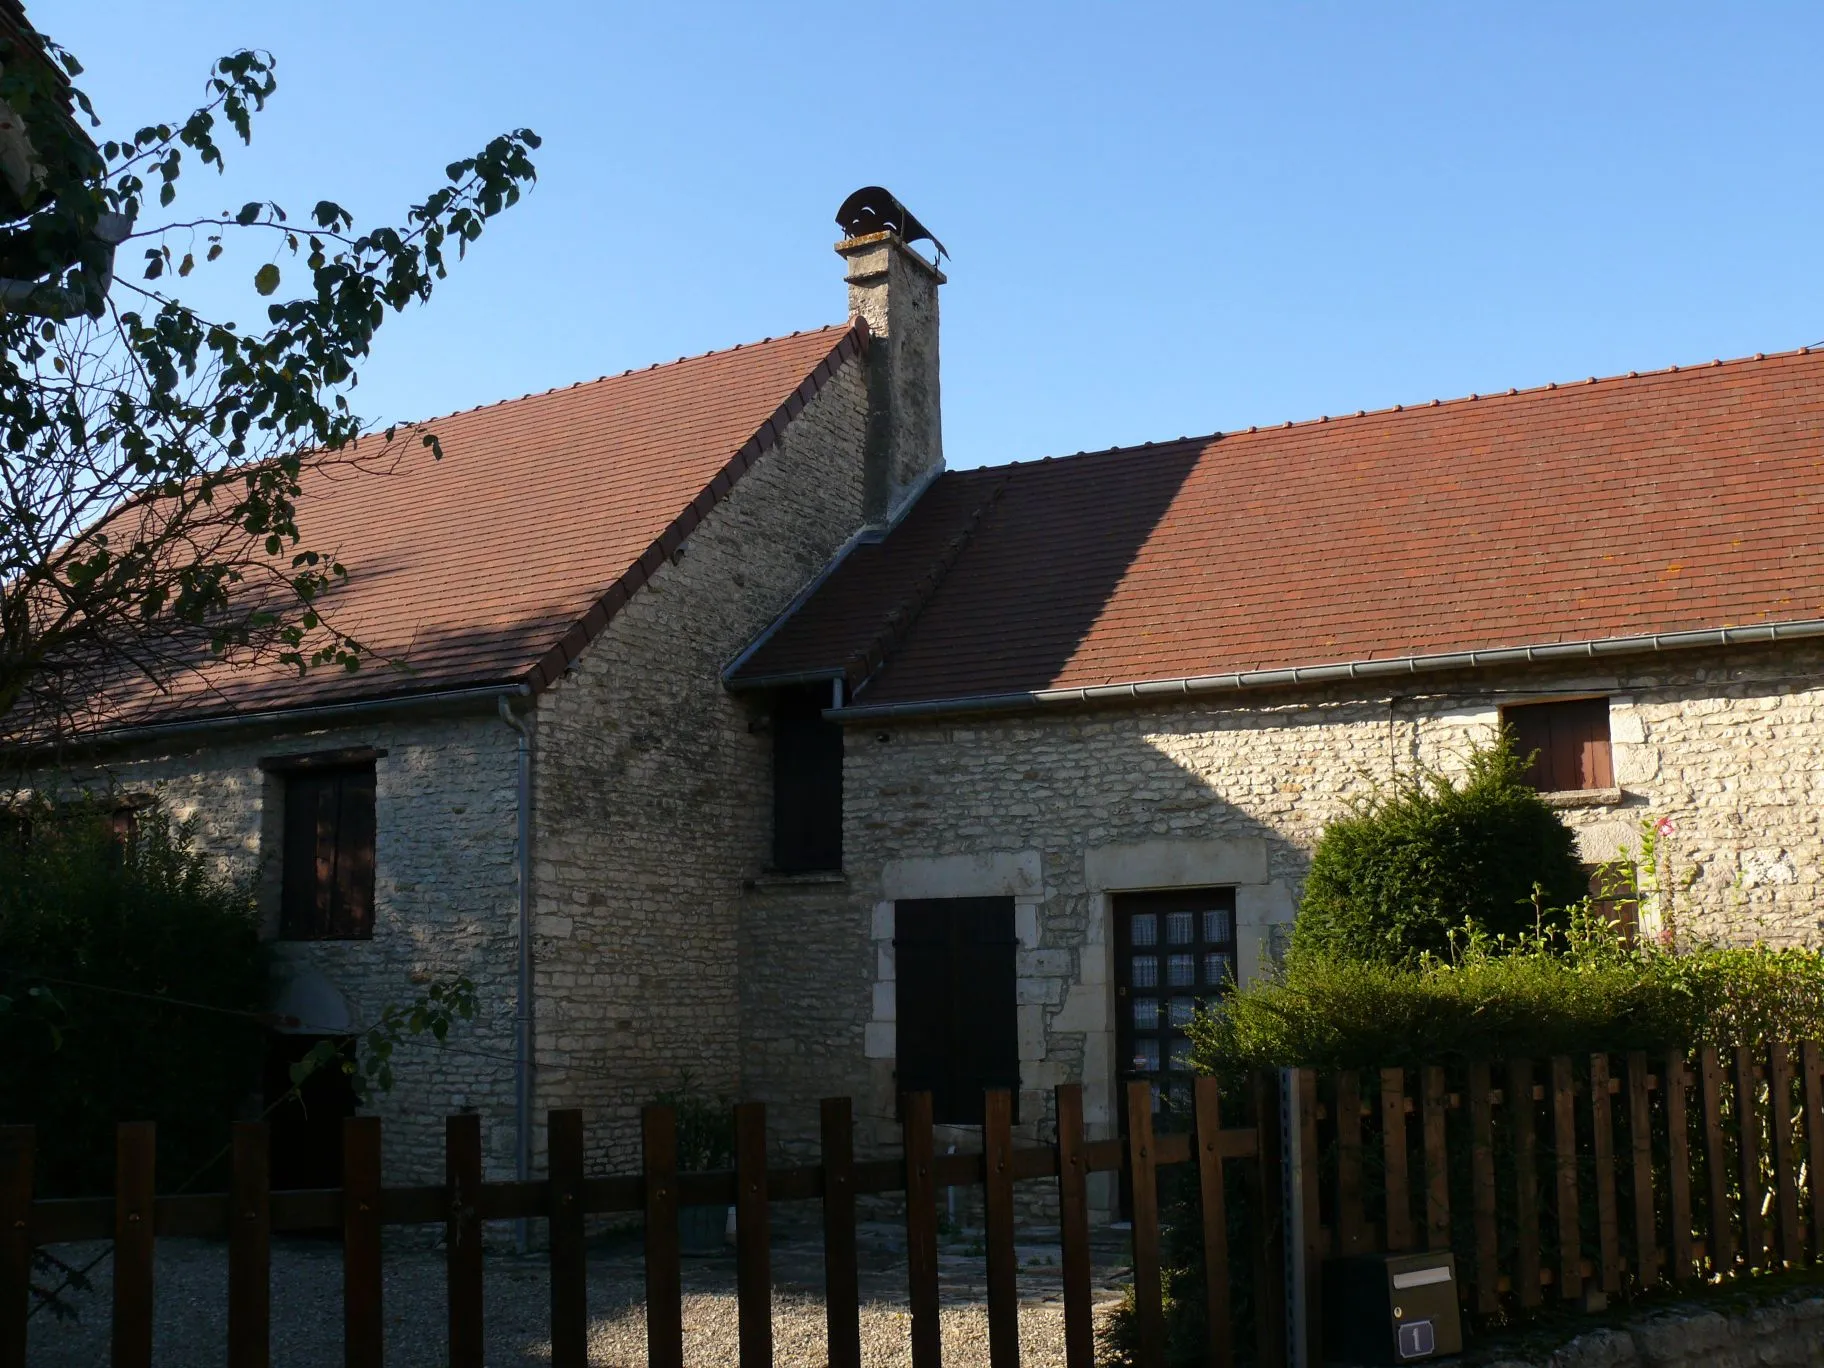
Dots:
pixel 328 858
pixel 807 783
pixel 958 1031
pixel 1568 742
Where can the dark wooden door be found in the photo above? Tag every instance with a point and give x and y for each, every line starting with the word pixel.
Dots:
pixel 1173 950
pixel 306 1128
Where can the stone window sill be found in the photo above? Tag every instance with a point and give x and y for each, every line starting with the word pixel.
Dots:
pixel 1585 798
pixel 822 878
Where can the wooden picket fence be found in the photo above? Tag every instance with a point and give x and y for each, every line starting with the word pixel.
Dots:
pixel 1572 1180
pixel 250 1214
pixel 1568 1178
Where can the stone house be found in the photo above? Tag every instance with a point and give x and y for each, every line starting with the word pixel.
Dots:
pixel 1101 707
pixel 731 734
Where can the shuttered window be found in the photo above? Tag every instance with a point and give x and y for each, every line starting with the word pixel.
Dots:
pixel 1569 743
pixel 807 783
pixel 958 1027
pixel 328 873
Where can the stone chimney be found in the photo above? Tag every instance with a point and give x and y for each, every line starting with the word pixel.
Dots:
pixel 895 289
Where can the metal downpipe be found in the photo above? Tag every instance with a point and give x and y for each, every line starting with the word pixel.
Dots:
pixel 522 1010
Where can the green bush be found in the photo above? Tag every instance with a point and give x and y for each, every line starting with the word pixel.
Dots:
pixel 87 919
pixel 1559 991
pixel 1389 882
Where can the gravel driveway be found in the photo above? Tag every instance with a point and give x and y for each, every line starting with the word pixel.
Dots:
pixel 192 1279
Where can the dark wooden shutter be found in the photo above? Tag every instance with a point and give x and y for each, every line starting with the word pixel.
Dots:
pixel 327 866
pixel 807 783
pixel 353 895
pixel 1569 743
pixel 985 1035
pixel 955 963
pixel 921 971
pixel 298 917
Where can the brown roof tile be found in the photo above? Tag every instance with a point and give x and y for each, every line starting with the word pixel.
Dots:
pixel 1679 500
pixel 500 562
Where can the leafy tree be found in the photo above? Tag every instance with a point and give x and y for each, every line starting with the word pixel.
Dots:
pixel 151 457
pixel 1392 881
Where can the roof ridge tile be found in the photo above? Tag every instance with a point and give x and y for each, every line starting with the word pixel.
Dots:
pixel 621 375
pixel 1548 387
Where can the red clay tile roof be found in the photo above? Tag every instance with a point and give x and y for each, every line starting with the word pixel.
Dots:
pixel 500 562
pixel 1679 500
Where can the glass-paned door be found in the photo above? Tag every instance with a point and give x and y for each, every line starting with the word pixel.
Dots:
pixel 1173 950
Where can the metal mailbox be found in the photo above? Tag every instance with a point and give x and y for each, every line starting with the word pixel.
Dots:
pixel 1391 1308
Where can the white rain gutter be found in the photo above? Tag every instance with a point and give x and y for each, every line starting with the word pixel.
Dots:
pixel 1148 690
pixel 280 717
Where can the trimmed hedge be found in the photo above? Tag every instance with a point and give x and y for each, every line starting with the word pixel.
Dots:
pixel 147 916
pixel 1568 991
pixel 1390 882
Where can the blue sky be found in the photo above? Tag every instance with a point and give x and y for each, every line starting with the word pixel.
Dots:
pixel 1164 219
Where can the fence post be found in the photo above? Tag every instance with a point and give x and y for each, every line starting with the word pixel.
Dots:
pixel 921 1230
pixel 1482 1186
pixel 753 1238
pixel 1437 1160
pixel 1352 1233
pixel 1748 1152
pixel 135 1147
pixel 1640 1133
pixel 363 1331
pixel 1525 1121
pixel 664 1274
pixel 462 1237
pixel 997 1221
pixel 1722 1232
pixel 1073 1229
pixel 1310 1345
pixel 1393 1158
pixel 1149 1306
pixel 250 1249
pixel 1564 1168
pixel 1220 1352
pixel 1811 1062
pixel 1779 1125
pixel 1602 1136
pixel 1678 1167
pixel 564 1229
pixel 15 1241
pixel 841 1270
pixel 1271 1252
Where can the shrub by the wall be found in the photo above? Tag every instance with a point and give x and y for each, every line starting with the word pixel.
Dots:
pixel 1568 991
pixel 1389 882
pixel 87 919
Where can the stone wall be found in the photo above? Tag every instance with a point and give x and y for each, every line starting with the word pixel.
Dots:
pixel 445 894
pixel 653 792
pixel 1060 808
pixel 1785 1333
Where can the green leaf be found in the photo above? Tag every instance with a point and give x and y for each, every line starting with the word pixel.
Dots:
pixel 267 279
